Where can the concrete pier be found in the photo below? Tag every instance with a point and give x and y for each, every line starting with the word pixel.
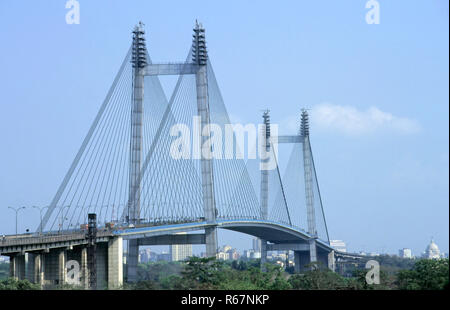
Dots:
pixel 263 254
pixel 115 263
pixel 50 268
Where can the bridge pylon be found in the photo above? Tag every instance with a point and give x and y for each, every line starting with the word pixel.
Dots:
pixel 309 191
pixel 200 58
pixel 264 195
pixel 139 61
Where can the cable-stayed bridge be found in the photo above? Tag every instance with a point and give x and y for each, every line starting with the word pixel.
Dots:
pixel 155 165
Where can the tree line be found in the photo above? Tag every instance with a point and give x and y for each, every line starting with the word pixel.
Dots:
pixel 211 274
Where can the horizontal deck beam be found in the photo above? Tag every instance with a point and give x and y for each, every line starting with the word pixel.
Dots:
pixel 174 239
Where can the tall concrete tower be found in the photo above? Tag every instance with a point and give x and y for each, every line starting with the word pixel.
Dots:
pixel 309 191
pixel 139 62
pixel 265 144
pixel 200 58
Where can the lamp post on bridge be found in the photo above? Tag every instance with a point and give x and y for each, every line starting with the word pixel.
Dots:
pixel 17 211
pixel 40 214
pixel 62 218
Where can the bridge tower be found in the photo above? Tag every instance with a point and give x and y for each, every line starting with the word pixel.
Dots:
pixel 265 182
pixel 139 61
pixel 200 58
pixel 309 190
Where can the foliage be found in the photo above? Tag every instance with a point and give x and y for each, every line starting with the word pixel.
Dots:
pixel 387 281
pixel 427 274
pixel 157 271
pixel 209 273
pixel 13 284
pixel 321 279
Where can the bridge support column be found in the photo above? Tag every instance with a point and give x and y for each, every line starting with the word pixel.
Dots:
pixel 29 266
pixel 301 260
pixel 39 269
pixel 132 260
pixel 325 259
pixel 312 250
pixel 62 271
pixel 17 266
pixel 115 263
pixel 263 255
pixel 331 261
pixel 13 267
pixel 211 241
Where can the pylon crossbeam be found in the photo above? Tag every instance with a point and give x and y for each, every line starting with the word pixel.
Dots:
pixel 171 69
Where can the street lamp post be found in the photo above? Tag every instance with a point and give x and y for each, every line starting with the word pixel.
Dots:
pixel 17 211
pixel 62 217
pixel 40 215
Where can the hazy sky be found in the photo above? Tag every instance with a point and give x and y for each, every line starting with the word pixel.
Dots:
pixel 378 96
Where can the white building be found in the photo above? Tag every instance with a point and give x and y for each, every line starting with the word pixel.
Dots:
pixel 255 255
pixel 405 253
pixel 180 252
pixel 338 245
pixel 432 251
pixel 222 255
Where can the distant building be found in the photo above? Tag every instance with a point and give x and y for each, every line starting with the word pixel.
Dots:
pixel 432 251
pixel 228 253
pixel 255 255
pixel 405 253
pixel 226 248
pixel 233 254
pixel 180 252
pixel 278 256
pixel 338 245
pixel 222 255
pixel 251 254
pixel 164 257
pixel 256 242
pixel 247 253
pixel 146 256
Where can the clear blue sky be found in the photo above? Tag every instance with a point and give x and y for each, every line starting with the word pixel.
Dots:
pixel 378 96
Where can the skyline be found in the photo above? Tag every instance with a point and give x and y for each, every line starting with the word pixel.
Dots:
pixel 366 100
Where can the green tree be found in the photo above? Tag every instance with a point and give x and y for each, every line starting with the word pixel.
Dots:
pixel 320 279
pixel 427 274
pixel 203 273
pixel 387 281
pixel 13 284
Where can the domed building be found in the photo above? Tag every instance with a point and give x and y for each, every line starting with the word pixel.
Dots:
pixel 432 251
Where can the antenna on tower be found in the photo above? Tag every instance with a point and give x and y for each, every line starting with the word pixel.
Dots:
pixel 139 57
pixel 199 52
pixel 304 123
